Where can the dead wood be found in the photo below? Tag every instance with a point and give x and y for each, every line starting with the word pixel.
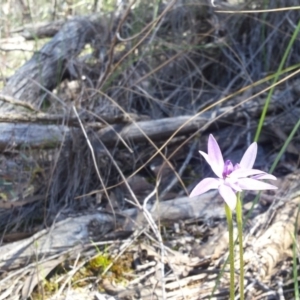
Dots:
pixel 271 242
pixel 32 135
pixel 155 129
pixel 62 236
pixel 35 118
pixel 38 135
pixel 47 67
pixel 95 226
pixel 40 30
pixel 50 136
pixel 75 233
pixel 205 206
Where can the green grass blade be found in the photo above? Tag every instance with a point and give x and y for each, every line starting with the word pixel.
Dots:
pixel 285 55
pixel 286 143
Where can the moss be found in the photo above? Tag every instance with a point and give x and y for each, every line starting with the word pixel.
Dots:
pixel 119 272
pixel 50 286
pixel 100 262
pixel 118 269
pixel 45 288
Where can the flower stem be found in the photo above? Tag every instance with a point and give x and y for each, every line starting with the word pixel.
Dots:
pixel 231 248
pixel 239 220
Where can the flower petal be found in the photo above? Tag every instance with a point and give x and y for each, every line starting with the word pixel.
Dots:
pixel 205 156
pixel 228 195
pixel 233 183
pixel 264 176
pixel 249 157
pixel 205 185
pixel 240 173
pixel 216 160
pixel 253 184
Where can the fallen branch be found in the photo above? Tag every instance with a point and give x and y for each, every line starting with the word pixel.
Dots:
pixel 50 136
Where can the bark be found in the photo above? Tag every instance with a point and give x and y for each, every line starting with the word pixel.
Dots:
pixel 40 30
pixel 46 68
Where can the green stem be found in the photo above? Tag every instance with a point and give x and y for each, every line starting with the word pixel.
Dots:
pixel 239 220
pixel 231 248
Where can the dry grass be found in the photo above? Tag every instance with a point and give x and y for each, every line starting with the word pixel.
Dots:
pixel 167 60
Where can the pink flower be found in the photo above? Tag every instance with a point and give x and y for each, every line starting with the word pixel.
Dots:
pixel 232 178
